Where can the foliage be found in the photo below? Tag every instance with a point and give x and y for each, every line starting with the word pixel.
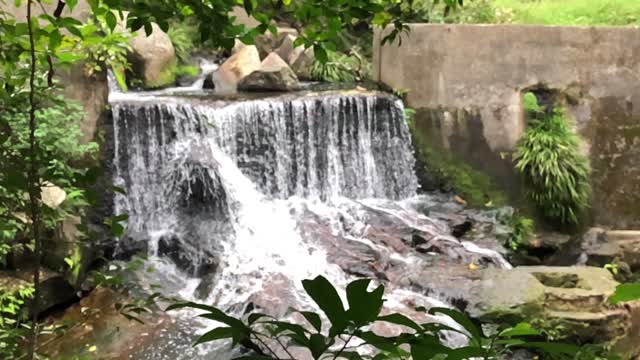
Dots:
pixel 626 292
pixel 58 136
pixel 350 330
pixel 187 71
pixel 473 12
pixel 571 12
pixel 105 48
pixel 522 229
pixel 13 319
pixel 555 172
pixel 183 36
pixel 341 67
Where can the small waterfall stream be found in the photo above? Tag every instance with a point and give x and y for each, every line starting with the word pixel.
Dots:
pixel 238 201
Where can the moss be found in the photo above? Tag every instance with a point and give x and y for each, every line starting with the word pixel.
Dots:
pixel 187 70
pixel 476 187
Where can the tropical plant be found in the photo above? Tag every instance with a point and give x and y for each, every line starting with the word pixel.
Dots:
pixel 347 332
pixel 340 67
pixel 522 229
pixel 104 45
pixel 14 326
pixel 556 174
pixel 183 37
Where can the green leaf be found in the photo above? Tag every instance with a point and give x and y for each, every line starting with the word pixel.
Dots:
pixel 522 329
pixel 55 39
pixel 427 347
pixel 461 319
pixel 400 319
pixel 215 334
pixel 467 352
pixel 250 5
pixel 313 319
pixel 255 317
pixel 364 306
pixel 71 4
pixel 626 292
pixel 328 300
pixel 380 342
pixel 282 326
pixel 554 348
pixel 320 53
pixel 111 20
pixel 318 345
pixel 69 58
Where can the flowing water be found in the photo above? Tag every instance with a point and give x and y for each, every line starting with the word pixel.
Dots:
pixel 238 201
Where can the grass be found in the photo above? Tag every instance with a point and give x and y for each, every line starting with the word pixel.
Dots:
pixel 568 12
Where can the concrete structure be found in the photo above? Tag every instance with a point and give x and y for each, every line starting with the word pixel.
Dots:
pixel 466 84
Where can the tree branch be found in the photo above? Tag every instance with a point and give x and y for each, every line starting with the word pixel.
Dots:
pixel 33 186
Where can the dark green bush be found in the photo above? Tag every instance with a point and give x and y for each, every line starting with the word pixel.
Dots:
pixel 556 174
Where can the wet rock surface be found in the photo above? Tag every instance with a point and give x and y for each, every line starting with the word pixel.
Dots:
pixel 598 247
pixel 95 326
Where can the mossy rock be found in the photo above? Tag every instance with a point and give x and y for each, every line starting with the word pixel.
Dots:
pixel 570 303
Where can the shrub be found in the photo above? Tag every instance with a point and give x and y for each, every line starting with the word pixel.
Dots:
pixel 351 329
pixel 522 229
pixel 341 67
pixel 556 174
pixel 183 37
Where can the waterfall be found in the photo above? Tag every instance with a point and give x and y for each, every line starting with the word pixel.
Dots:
pixel 244 199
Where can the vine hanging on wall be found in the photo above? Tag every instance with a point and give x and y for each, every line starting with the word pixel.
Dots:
pixel 548 157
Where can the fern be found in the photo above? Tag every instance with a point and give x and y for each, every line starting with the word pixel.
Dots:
pixel 340 68
pixel 556 173
pixel 182 37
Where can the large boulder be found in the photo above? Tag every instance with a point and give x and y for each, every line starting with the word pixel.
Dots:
pixel 245 61
pixel 287 51
pixel 274 75
pixel 154 58
pixel 573 299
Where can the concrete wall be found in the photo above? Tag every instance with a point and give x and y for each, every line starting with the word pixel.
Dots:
pixel 466 83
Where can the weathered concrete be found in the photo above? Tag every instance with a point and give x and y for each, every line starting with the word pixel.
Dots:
pixel 466 82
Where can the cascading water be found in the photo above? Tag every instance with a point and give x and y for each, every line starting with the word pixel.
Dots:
pixel 243 199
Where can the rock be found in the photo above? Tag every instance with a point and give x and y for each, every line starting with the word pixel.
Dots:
pixel 52 196
pixel 185 258
pixel 287 51
pixel 99 328
pixel 236 68
pixel 154 59
pixel 598 247
pixel 303 63
pixel 269 42
pixel 460 200
pixel 243 18
pixel 54 289
pixel 274 75
pixel 572 298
